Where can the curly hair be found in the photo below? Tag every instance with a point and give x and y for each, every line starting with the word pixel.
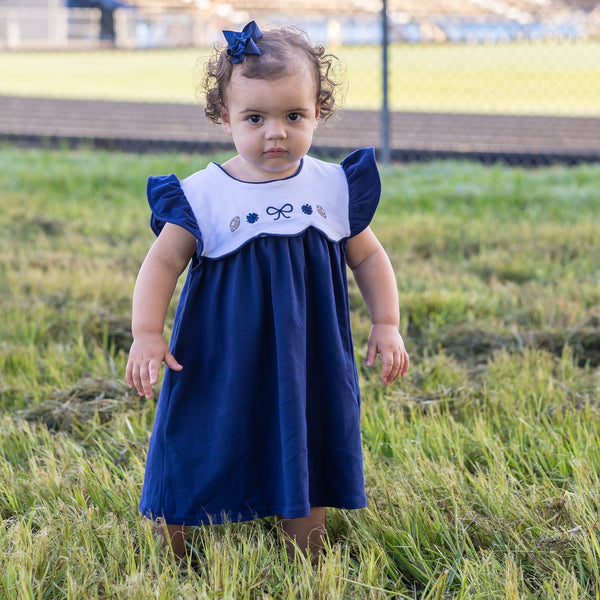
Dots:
pixel 281 49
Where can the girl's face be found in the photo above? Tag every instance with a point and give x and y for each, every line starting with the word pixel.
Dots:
pixel 272 122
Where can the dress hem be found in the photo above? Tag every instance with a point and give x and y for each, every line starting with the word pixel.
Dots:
pixel 227 516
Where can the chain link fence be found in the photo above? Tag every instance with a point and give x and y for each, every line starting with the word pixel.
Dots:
pixel 492 58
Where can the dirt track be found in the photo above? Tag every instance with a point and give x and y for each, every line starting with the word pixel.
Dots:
pixel 143 127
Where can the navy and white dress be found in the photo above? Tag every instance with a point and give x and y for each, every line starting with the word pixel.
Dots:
pixel 264 418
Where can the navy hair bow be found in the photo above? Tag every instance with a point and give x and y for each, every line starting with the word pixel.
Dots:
pixel 241 43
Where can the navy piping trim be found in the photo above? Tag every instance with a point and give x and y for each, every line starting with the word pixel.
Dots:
pixel 278 235
pixel 259 182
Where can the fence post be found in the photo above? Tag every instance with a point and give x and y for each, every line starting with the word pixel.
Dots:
pixel 385 109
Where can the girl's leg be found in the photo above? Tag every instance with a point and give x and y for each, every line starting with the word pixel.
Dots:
pixel 173 535
pixel 305 533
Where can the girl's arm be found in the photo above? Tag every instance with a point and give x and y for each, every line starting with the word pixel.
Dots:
pixel 156 281
pixel 376 281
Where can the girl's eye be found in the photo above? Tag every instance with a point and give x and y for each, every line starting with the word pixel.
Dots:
pixel 294 116
pixel 254 119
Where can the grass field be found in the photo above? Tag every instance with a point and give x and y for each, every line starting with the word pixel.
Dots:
pixel 482 465
pixel 527 78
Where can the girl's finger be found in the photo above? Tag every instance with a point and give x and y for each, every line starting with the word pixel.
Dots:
pixel 405 363
pixel 128 374
pixel 171 362
pixel 395 371
pixel 145 388
pixel 371 353
pixel 135 377
pixel 387 367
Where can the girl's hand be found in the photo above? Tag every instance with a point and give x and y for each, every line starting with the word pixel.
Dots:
pixel 387 341
pixel 147 353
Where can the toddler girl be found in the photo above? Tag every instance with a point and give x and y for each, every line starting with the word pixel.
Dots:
pixel 259 411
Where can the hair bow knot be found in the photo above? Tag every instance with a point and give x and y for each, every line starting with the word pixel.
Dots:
pixel 242 43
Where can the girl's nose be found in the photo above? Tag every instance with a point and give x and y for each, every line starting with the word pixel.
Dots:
pixel 275 131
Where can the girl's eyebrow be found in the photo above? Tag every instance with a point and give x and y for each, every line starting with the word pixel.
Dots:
pixel 259 111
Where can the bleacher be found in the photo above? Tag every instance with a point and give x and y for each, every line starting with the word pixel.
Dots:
pixel 416 9
pixel 168 23
pixel 487 21
pixel 427 9
pixel 357 21
pixel 165 6
pixel 263 7
pixel 413 20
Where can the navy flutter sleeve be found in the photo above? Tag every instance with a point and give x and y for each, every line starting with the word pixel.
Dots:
pixel 364 187
pixel 169 204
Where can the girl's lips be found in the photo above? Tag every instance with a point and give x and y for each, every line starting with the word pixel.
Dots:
pixel 274 152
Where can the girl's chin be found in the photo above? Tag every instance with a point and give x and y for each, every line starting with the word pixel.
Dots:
pixel 274 168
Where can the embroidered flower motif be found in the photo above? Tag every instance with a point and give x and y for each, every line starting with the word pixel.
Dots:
pixel 307 209
pixel 234 224
pixel 252 218
pixel 321 211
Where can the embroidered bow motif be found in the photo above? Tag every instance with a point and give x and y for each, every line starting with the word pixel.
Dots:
pixel 280 212
pixel 242 43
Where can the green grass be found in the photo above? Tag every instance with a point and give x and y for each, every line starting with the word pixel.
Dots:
pixel 525 78
pixel 482 465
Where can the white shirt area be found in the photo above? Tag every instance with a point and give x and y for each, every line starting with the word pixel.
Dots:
pixel 230 212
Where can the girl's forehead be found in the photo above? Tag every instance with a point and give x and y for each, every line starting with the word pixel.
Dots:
pixel 299 80
pixel 284 66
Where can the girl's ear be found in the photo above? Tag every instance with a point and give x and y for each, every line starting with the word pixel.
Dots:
pixel 317 114
pixel 225 121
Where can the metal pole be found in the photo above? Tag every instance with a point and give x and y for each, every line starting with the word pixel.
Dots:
pixel 385 109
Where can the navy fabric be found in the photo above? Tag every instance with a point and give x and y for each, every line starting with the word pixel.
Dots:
pixel 364 190
pixel 168 204
pixel 264 418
